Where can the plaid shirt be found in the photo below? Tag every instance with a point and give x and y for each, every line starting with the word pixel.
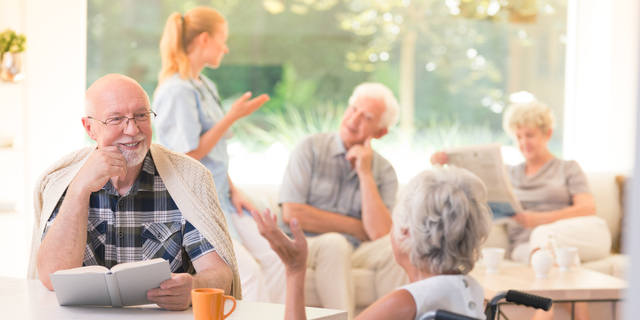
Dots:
pixel 143 224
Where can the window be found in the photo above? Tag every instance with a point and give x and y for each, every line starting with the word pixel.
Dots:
pixel 452 64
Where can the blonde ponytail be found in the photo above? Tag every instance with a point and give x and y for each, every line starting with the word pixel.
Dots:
pixel 178 34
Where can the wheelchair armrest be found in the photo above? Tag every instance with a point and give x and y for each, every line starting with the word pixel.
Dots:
pixel 529 300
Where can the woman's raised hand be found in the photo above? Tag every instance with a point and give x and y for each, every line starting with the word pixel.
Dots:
pixel 439 158
pixel 244 107
pixel 293 253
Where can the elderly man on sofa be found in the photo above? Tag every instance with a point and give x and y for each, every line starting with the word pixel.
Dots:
pixel 129 200
pixel 342 193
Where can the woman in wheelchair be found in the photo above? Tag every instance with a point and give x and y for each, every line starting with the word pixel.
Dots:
pixel 440 222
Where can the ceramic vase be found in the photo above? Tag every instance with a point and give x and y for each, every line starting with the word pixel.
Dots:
pixel 11 70
pixel 541 262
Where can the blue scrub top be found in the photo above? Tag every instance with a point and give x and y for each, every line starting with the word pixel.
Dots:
pixel 186 110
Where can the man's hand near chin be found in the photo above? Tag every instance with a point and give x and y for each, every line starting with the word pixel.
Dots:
pixel 360 157
pixel 173 294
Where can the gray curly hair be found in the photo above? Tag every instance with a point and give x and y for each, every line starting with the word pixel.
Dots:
pixel 442 219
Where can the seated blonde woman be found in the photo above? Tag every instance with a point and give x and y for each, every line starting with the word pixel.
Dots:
pixel 438 226
pixel 553 192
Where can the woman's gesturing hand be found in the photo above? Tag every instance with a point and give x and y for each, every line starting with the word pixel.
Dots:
pixel 293 253
pixel 244 107
pixel 439 158
pixel 240 201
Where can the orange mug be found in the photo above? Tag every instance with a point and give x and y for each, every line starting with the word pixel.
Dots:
pixel 208 304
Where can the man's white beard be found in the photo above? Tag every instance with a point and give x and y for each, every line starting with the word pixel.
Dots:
pixel 134 158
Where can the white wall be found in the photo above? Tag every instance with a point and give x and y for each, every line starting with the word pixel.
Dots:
pixel 600 99
pixel 602 125
pixel 57 79
pixel 50 104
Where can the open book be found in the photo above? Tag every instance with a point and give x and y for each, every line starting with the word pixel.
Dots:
pixel 126 284
pixel 485 161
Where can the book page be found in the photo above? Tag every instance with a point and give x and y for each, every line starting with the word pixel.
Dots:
pixel 78 289
pixel 485 161
pixel 88 269
pixel 134 282
pixel 136 264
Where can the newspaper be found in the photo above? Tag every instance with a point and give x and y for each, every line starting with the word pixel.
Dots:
pixel 485 161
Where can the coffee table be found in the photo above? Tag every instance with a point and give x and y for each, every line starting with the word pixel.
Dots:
pixel 29 299
pixel 578 285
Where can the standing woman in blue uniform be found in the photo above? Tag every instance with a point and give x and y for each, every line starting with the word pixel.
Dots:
pixel 191 120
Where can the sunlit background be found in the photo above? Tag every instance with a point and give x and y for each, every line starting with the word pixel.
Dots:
pixel 452 64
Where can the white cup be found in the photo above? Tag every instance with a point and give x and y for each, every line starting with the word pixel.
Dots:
pixel 565 257
pixel 492 258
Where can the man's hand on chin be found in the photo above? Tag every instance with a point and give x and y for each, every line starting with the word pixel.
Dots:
pixel 360 156
pixel 173 294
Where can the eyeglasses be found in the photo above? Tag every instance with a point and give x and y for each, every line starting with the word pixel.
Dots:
pixel 138 119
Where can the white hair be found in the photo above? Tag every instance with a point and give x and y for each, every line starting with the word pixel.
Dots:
pixel 533 114
pixel 380 92
pixel 442 219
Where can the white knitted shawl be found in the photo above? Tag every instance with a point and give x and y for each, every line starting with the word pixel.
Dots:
pixel 189 182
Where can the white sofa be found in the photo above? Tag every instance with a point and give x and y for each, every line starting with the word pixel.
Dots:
pixel 603 187
pixel 605 192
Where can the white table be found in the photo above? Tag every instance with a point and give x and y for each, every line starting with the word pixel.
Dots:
pixel 579 285
pixel 29 299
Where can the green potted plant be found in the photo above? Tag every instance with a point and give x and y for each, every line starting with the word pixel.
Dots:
pixel 11 46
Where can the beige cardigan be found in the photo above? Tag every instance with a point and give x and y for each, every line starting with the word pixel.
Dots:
pixel 189 182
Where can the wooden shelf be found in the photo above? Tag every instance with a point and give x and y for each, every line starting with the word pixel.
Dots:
pixel 11 151
pixel 11 214
pixel 11 84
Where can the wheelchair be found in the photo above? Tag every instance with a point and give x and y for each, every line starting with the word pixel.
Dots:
pixel 512 296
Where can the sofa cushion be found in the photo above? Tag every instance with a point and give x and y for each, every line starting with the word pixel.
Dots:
pixel 606 195
pixel 615 265
pixel 497 237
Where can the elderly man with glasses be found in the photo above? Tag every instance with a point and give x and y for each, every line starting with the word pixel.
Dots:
pixel 129 200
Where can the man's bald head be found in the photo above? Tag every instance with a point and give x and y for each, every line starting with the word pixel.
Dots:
pixel 110 88
pixel 112 105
